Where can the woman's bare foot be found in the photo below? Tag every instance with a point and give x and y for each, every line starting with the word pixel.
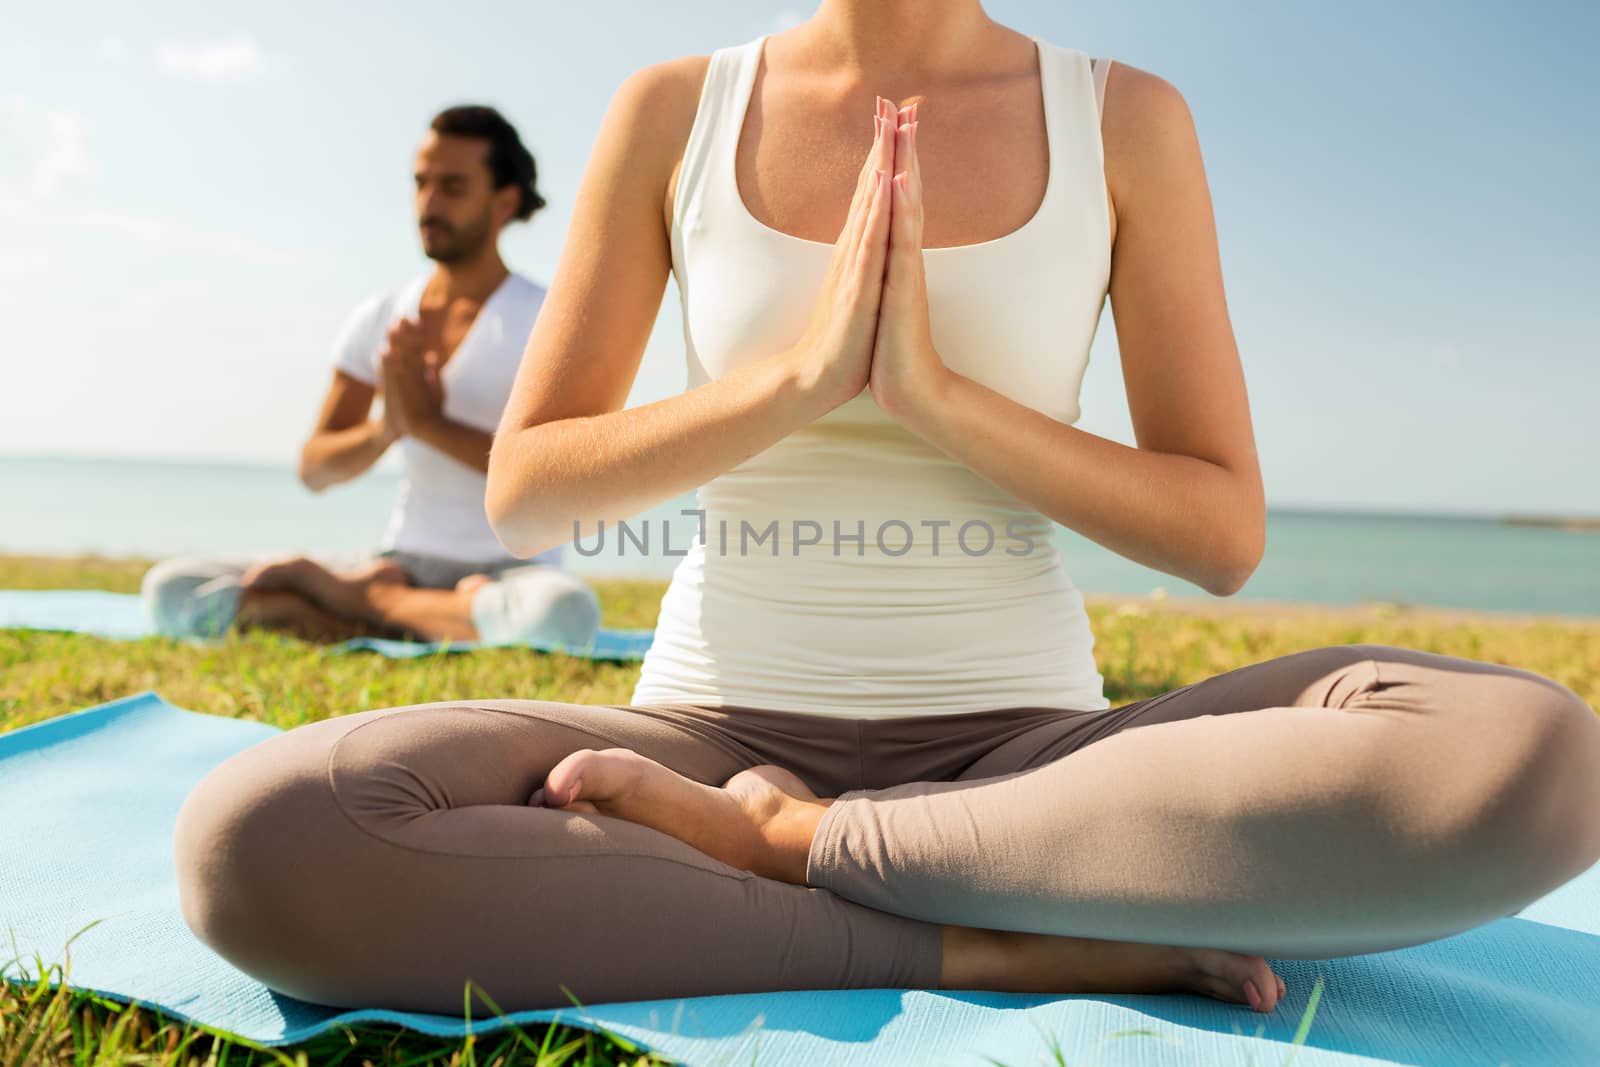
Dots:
pixel 762 820
pixel 1015 962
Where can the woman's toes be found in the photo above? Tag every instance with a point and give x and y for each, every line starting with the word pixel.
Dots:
pixel 1265 988
pixel 561 784
pixel 1237 977
pixel 590 774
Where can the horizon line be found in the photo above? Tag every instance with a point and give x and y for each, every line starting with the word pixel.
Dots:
pixel 1343 510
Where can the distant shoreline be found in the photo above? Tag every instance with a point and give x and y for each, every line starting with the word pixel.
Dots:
pixel 1568 523
pixel 1366 611
pixel 1575 523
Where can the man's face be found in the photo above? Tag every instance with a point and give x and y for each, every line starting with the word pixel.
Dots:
pixel 456 203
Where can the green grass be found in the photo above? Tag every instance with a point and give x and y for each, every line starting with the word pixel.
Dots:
pixel 1143 648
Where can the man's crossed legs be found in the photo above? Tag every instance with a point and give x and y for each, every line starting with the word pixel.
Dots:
pixel 391 594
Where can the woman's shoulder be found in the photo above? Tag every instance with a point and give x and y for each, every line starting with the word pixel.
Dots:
pixel 1152 89
pixel 672 88
pixel 653 118
pixel 663 96
pixel 1145 123
pixel 650 118
pixel 1142 95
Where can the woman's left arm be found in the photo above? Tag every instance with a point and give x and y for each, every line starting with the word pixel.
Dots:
pixel 1188 500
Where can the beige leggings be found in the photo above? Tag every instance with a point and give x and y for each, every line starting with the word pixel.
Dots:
pixel 1335 801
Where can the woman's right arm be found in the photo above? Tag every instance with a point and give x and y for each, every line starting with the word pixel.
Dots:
pixel 567 454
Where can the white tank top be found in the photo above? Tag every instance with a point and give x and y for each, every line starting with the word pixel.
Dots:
pixel 941 593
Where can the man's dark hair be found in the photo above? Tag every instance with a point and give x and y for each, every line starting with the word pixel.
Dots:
pixel 509 162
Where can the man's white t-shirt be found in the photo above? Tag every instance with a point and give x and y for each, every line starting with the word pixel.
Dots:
pixel 440 510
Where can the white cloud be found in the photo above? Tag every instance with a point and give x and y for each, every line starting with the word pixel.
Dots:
pixel 34 206
pixel 111 49
pixel 233 58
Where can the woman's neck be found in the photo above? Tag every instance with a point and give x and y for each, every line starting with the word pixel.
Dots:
pixel 891 38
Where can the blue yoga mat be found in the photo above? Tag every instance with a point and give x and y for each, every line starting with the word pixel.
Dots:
pixel 608 644
pixel 92 798
pixel 85 611
pixel 122 615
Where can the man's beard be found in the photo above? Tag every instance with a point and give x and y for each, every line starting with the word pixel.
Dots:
pixel 454 245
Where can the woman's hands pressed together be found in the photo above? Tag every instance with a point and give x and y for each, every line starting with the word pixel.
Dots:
pixel 836 345
pixel 906 370
pixel 869 328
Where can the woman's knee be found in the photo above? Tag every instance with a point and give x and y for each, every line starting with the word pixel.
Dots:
pixel 1487 766
pixel 1564 776
pixel 259 847
pixel 1535 812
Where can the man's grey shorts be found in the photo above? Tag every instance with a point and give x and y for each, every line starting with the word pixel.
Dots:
pixel 198 596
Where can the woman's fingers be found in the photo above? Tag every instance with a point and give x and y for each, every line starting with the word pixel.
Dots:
pixel 911 163
pixel 862 247
pixel 882 143
pixel 844 249
pixel 905 201
pixel 835 349
pixel 874 241
pixel 854 225
pixel 869 161
pixel 916 165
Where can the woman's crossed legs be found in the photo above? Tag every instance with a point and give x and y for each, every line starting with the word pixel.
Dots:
pixel 1339 800
pixel 385 857
pixel 1335 801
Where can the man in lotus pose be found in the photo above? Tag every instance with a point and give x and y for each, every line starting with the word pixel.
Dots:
pixel 441 352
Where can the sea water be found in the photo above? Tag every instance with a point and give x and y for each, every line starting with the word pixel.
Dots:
pixel 152 508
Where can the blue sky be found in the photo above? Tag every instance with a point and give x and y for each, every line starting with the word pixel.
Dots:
pixel 192 196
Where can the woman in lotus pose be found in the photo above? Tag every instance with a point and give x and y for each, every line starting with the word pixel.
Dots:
pixel 869 747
